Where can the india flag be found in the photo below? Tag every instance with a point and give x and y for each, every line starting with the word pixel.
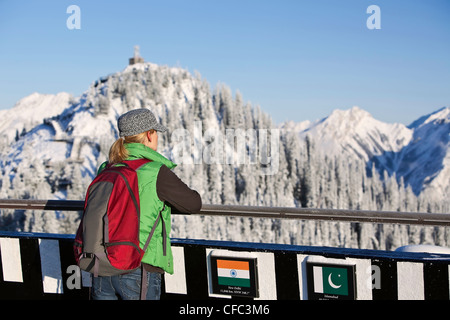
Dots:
pixel 233 273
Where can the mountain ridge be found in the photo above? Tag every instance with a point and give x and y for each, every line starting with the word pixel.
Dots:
pixel 387 146
pixel 57 157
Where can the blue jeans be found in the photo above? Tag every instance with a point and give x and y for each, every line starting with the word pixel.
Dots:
pixel 126 286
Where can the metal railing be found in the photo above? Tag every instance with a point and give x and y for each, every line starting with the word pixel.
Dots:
pixel 393 217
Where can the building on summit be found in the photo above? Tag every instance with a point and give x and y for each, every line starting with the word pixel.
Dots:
pixel 137 58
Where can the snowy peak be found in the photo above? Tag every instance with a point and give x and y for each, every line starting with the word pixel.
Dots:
pixel 440 116
pixel 31 111
pixel 353 115
pixel 356 133
pixel 348 124
pixel 417 153
pixel 425 160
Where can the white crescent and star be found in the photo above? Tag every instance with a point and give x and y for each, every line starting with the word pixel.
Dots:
pixel 332 284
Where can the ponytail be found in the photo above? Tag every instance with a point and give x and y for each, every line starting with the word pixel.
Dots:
pixel 118 152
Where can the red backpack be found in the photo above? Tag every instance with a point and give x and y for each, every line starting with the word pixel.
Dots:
pixel 107 239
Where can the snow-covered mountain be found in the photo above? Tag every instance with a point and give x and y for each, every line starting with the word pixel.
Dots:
pixel 53 144
pixel 418 153
pixel 29 112
pixel 356 133
pixel 425 161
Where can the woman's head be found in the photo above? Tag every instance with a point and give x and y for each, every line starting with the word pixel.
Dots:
pixel 118 152
pixel 137 121
pixel 135 126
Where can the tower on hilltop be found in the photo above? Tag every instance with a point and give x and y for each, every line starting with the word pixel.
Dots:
pixel 137 58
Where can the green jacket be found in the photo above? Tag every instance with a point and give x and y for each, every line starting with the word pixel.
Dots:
pixel 151 205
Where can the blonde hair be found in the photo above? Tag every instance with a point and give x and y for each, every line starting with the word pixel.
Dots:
pixel 118 152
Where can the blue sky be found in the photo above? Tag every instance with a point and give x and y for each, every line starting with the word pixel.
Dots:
pixel 298 59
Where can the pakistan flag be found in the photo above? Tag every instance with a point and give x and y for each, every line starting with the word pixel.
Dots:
pixel 330 280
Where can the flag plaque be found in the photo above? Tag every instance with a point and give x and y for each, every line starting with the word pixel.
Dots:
pixel 330 281
pixel 234 276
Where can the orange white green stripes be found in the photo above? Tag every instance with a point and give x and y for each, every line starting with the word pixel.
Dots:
pixel 233 273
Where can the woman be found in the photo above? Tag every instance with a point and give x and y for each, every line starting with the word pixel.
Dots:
pixel 159 190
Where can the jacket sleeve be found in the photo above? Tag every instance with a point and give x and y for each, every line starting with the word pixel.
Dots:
pixel 171 189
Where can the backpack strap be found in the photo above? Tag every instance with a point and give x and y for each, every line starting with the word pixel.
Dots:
pixel 144 283
pixel 150 235
pixel 95 262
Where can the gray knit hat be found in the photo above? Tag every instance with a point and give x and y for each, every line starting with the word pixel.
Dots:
pixel 137 121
